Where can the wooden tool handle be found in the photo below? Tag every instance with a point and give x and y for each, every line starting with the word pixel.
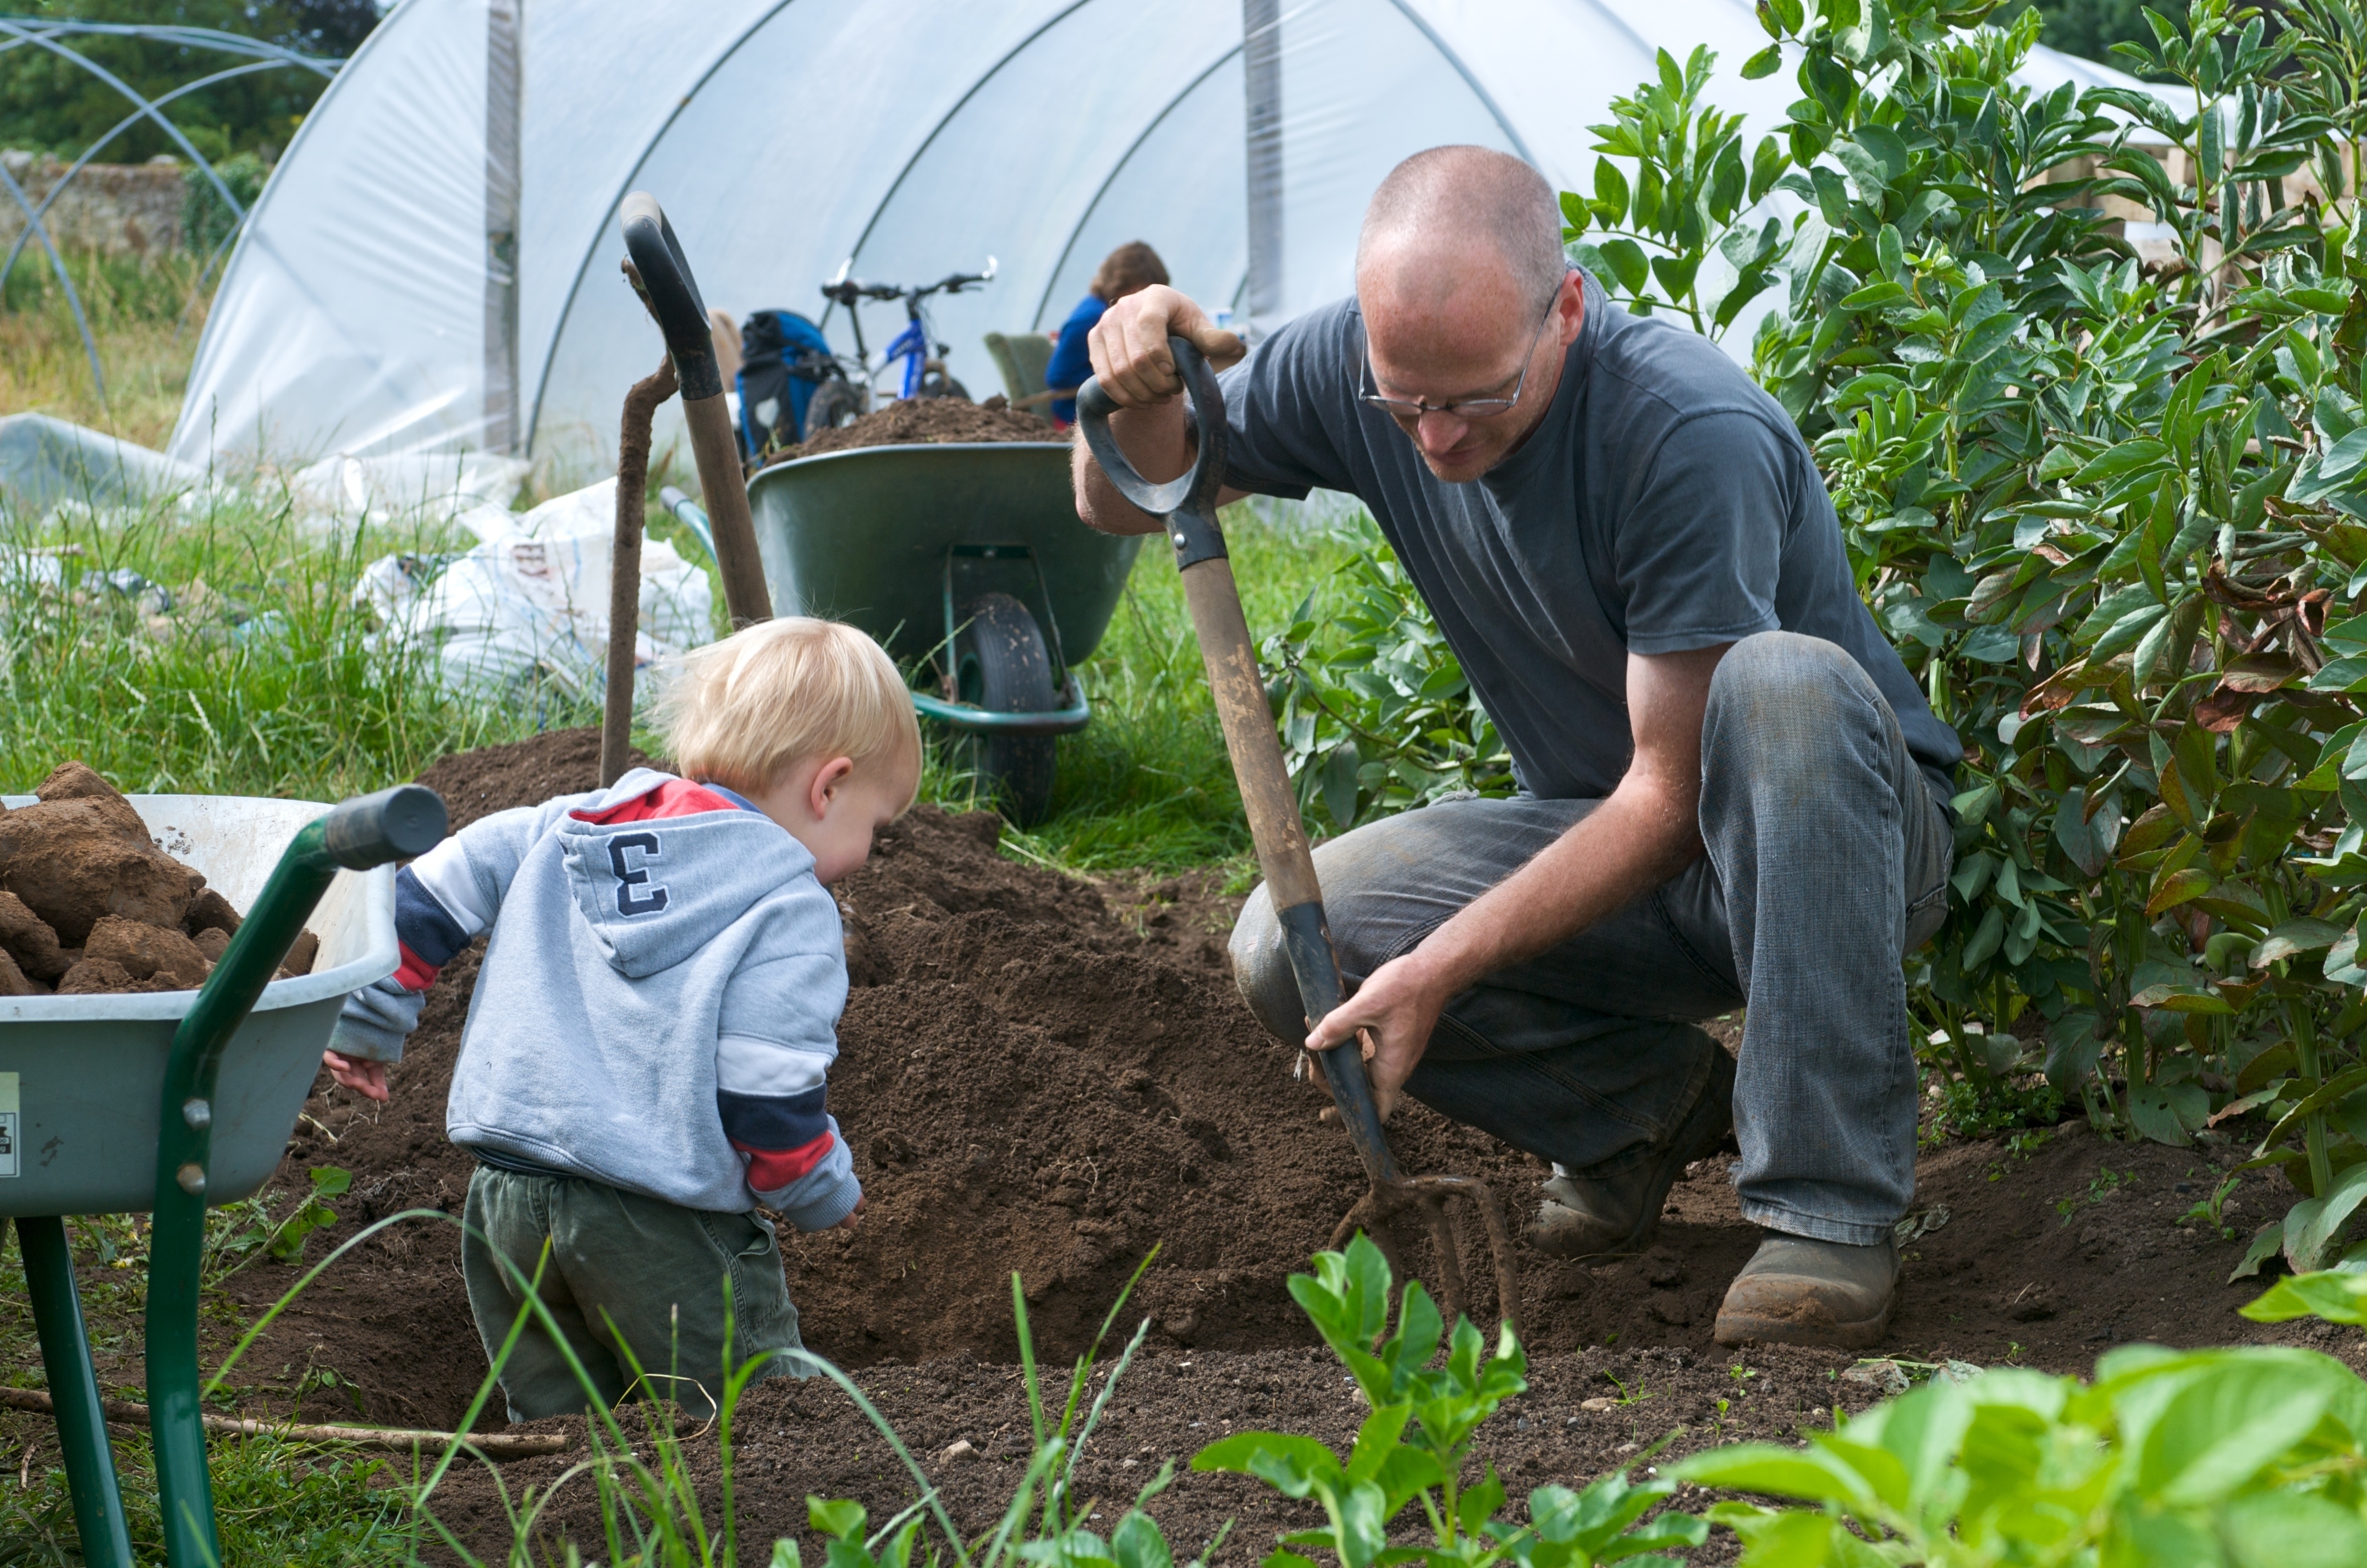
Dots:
pixel 1248 719
pixel 624 566
pixel 725 491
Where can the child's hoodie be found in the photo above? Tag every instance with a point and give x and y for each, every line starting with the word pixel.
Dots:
pixel 659 1004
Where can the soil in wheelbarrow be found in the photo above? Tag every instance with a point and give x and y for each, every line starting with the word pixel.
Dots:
pixel 91 904
pixel 914 421
pixel 1050 1077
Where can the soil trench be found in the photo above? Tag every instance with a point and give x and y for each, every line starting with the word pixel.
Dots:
pixel 1040 1075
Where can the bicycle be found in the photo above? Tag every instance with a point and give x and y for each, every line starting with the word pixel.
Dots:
pixel 845 392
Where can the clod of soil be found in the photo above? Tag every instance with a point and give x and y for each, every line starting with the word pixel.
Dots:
pixel 89 904
pixel 82 853
pixel 914 421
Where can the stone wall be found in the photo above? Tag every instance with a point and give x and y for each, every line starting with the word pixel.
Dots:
pixel 118 208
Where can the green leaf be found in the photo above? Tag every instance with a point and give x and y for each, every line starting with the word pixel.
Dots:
pixel 1610 193
pixel 2312 1225
pixel 1807 1476
pixel 2122 460
pixel 2291 1529
pixel 2227 1425
pixel 2337 1296
pixel 840 1518
pixel 1627 264
pixel 2295 936
pixel 1289 1464
pixel 2268 1242
pixel 2170 1113
pixel 1766 63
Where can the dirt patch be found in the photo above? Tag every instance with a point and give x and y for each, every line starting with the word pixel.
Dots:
pixel 91 904
pixel 562 761
pixel 911 421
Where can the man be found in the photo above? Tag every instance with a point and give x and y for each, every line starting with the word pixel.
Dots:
pixel 1731 788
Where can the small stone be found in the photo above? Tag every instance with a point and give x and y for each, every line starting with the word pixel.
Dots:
pixel 955 1451
pixel 1598 1403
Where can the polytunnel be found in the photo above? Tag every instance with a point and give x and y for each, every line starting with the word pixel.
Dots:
pixel 434 267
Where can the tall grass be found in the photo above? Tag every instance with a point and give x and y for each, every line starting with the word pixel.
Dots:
pixel 262 677
pixel 145 316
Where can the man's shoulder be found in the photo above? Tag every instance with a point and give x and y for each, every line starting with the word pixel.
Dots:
pixel 1663 376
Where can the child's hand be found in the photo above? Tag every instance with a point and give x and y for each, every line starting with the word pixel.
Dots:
pixel 368 1079
pixel 851 1216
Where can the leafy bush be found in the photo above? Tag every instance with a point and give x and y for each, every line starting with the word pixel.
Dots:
pixel 1416 1445
pixel 206 220
pixel 1376 713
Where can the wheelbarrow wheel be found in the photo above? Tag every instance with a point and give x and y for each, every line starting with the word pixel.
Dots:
pixel 835 403
pixel 1000 664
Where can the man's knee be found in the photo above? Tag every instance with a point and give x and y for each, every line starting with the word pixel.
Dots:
pixel 1788 698
pixel 1262 969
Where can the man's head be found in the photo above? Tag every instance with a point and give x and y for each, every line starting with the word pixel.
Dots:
pixel 809 719
pixel 1130 269
pixel 1460 277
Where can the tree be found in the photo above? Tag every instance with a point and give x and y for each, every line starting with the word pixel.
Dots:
pixel 50 104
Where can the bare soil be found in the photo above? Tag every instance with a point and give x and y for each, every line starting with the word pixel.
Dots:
pixel 911 421
pixel 1046 1076
pixel 91 904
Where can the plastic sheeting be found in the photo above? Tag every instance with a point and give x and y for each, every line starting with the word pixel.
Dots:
pixel 368 308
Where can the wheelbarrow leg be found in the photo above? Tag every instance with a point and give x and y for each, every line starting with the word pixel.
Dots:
pixel 368 830
pixel 73 1386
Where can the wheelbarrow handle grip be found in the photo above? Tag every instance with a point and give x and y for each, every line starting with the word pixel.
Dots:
pixel 1196 491
pixel 671 295
pixel 401 823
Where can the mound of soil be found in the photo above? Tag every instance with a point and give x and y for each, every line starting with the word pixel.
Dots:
pixel 914 421
pixel 91 904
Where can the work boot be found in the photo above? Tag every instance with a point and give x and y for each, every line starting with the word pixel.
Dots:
pixel 1799 1291
pixel 1587 1216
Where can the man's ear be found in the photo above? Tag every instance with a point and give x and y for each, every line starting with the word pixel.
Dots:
pixel 826 782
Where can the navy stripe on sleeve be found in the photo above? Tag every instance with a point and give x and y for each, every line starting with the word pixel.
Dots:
pixel 423 925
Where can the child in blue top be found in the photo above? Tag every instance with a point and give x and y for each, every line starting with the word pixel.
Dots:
pixel 655 1017
pixel 1131 268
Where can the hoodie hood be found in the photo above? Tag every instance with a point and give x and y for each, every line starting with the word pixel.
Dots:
pixel 659 867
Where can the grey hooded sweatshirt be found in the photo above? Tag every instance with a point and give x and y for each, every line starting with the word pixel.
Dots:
pixel 657 1008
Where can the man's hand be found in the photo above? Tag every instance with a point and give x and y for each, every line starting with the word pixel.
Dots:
pixel 1130 350
pixel 853 1215
pixel 365 1078
pixel 1644 832
pixel 1395 1008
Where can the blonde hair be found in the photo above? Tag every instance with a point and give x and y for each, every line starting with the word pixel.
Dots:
pixel 740 712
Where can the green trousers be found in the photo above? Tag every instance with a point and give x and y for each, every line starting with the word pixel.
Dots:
pixel 625 1274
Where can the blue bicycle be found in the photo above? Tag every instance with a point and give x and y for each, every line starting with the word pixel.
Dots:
pixel 845 393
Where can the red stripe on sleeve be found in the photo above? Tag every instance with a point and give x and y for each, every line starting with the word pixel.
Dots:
pixel 772 1170
pixel 417 974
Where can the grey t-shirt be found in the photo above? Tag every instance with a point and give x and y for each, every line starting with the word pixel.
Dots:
pixel 1664 504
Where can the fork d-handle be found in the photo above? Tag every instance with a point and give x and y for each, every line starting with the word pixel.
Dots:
pixel 1188 507
pixel 661 275
pixel 371 830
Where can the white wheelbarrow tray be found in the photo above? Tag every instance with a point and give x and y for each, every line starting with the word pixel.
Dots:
pixel 81 1077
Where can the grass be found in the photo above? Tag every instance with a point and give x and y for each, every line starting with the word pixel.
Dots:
pixel 144 316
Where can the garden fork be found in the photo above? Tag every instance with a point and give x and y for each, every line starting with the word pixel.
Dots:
pixel 1188 507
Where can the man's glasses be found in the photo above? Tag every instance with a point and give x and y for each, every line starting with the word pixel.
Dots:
pixel 1410 409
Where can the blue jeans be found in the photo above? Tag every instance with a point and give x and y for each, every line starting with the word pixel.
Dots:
pixel 1828 854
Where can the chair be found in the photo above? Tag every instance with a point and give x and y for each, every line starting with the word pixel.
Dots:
pixel 1022 358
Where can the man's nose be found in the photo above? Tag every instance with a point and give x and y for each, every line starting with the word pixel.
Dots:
pixel 1437 431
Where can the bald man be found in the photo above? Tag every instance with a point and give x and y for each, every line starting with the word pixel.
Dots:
pixel 1730 789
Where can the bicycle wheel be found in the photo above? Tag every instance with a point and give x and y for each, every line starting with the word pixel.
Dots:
pixel 1000 664
pixel 835 404
pixel 935 383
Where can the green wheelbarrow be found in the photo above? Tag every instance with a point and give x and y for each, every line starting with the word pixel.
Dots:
pixel 964 558
pixel 178 1101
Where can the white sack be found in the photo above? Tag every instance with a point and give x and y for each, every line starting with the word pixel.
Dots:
pixel 534 600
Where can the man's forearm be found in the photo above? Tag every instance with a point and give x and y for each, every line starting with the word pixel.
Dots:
pixel 1643 833
pixel 1160 446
